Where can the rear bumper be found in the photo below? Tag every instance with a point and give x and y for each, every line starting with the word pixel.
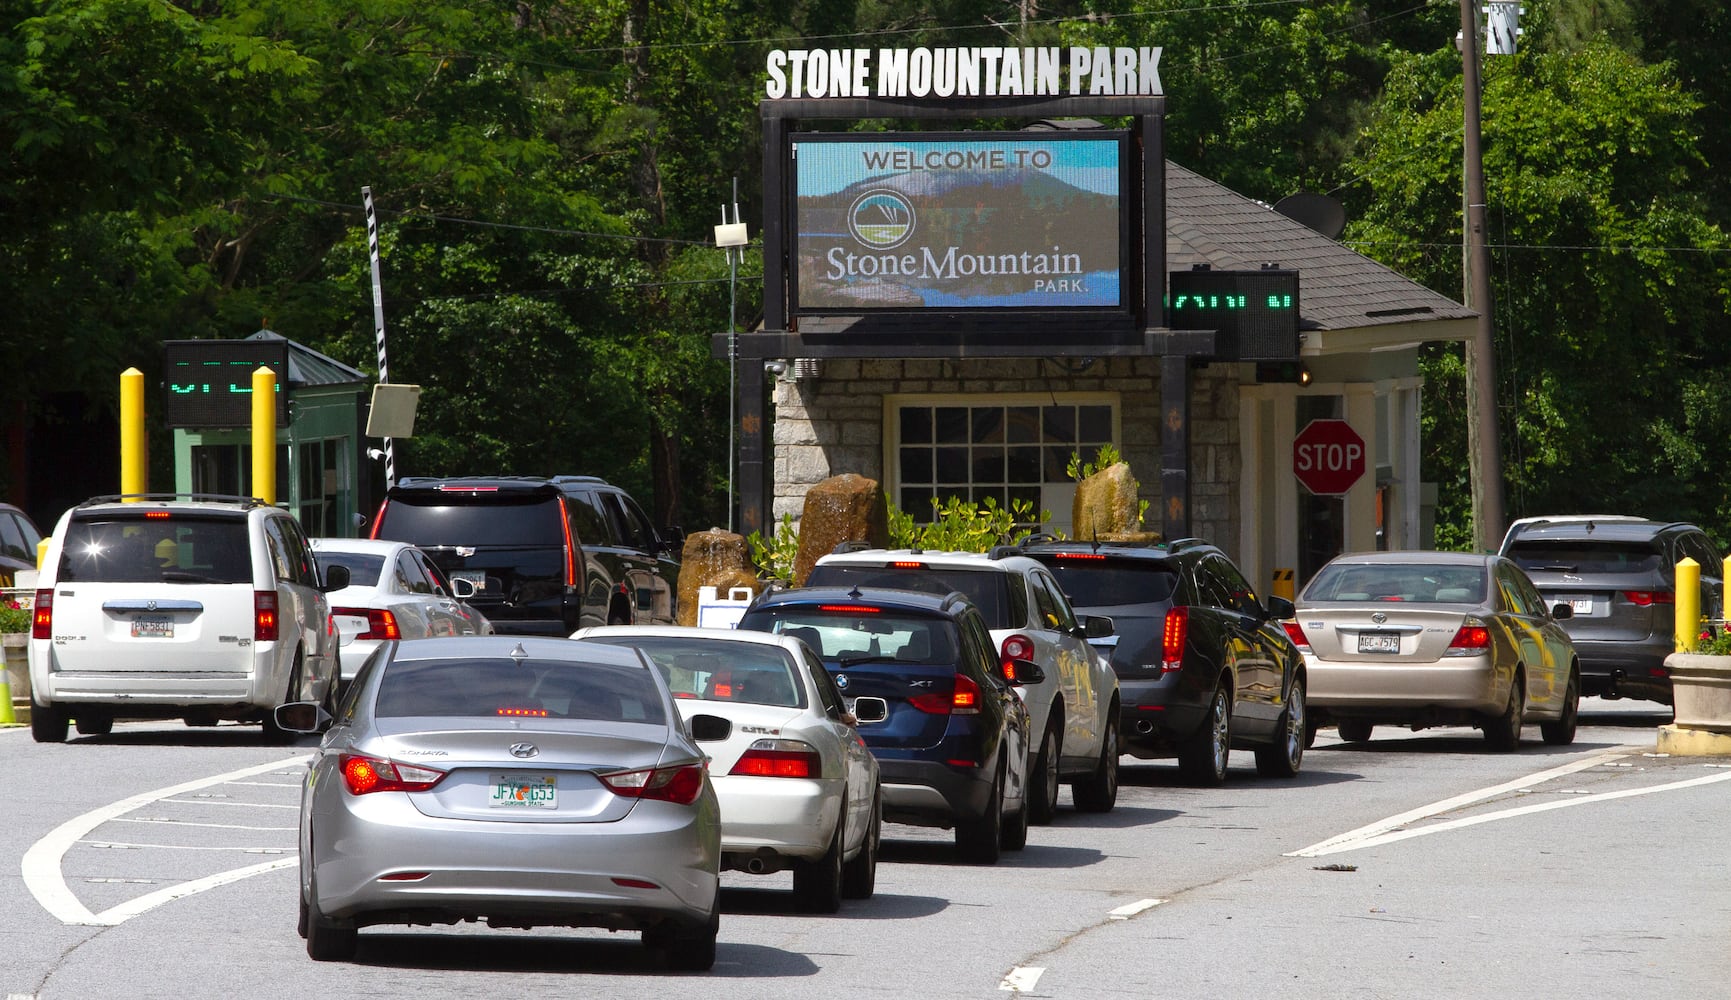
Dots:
pixel 931 793
pixel 787 816
pixel 1400 692
pixel 1626 669
pixel 249 685
pixel 1156 715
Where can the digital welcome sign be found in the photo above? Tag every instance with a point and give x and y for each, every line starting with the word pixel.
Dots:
pixel 934 221
pixel 208 383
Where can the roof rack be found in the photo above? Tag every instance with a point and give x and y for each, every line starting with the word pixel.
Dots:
pixel 197 497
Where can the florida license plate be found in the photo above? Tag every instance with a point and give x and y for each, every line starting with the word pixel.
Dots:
pixel 511 791
pixel 152 627
pixel 1379 642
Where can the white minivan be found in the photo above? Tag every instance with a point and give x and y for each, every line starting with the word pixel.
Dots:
pixel 200 608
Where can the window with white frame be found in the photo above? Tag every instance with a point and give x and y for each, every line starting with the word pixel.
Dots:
pixel 1006 446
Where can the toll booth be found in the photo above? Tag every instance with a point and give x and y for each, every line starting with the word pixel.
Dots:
pixel 321 419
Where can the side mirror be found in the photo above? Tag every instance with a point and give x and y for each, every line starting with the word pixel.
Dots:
pixel 1097 627
pixel 710 728
pixel 1024 672
pixel 1281 609
pixel 1562 611
pixel 336 578
pixel 302 716
pixel 462 589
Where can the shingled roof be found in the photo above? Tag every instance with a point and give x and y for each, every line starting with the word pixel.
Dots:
pixel 1347 302
pixel 308 367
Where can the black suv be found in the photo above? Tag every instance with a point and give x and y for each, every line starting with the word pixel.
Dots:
pixel 546 556
pixel 1203 665
pixel 921 675
pixel 1620 577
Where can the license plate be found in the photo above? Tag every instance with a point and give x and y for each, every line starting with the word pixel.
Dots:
pixel 1379 642
pixel 518 792
pixel 1581 605
pixel 478 577
pixel 152 628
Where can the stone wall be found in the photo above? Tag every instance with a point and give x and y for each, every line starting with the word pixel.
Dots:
pixel 834 423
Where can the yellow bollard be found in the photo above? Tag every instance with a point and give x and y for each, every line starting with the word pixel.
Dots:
pixel 1281 585
pixel 1688 607
pixel 41 554
pixel 134 474
pixel 264 434
pixel 7 715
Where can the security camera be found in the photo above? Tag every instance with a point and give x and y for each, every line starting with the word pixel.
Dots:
pixel 376 454
pixel 776 368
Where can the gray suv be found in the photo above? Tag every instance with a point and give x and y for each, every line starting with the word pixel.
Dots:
pixel 1619 576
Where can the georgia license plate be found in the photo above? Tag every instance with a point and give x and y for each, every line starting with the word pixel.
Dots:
pixel 1379 642
pixel 519 792
pixel 152 627
pixel 478 577
pixel 1581 605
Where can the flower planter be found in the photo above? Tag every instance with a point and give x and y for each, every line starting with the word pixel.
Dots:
pixel 1701 691
pixel 17 664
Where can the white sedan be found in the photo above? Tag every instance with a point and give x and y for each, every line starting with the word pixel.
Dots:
pixel 798 788
pixel 394 592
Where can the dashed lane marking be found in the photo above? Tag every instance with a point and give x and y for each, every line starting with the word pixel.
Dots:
pixel 1021 979
pixel 1131 909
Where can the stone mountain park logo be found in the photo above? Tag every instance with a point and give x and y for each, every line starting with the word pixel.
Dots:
pixel 881 219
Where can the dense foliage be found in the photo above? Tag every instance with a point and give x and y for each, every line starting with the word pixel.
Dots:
pixel 546 173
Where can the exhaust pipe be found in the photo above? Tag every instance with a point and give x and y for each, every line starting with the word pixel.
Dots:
pixel 756 866
pixel 1144 727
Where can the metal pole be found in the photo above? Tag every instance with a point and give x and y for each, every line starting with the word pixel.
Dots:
pixel 379 321
pixel 1482 428
pixel 733 255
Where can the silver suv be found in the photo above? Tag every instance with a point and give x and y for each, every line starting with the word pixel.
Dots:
pixel 202 608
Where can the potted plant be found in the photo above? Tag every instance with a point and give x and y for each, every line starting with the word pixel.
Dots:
pixel 15 636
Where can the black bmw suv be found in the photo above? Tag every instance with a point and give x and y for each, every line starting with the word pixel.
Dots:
pixel 547 556
pixel 1203 665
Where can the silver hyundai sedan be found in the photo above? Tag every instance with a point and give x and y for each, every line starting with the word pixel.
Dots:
pixel 521 781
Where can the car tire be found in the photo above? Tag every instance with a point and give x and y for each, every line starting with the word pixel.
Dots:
pixel 1309 733
pixel 1561 732
pixel 980 841
pixel 859 877
pixel 1283 757
pixel 1504 732
pixel 1098 791
pixel 684 949
pixel 1014 835
pixel 95 725
pixel 1355 730
pixel 48 723
pixel 272 732
pixel 1203 757
pixel 328 940
pixel 1043 781
pixel 817 884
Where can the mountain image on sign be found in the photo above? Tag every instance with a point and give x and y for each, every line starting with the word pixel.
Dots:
pixel 881 219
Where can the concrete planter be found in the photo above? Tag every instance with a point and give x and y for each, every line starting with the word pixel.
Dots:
pixel 1701 691
pixel 17 664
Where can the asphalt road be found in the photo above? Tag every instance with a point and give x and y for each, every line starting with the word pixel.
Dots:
pixel 158 862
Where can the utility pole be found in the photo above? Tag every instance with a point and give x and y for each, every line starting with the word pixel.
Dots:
pixel 731 237
pixel 1485 459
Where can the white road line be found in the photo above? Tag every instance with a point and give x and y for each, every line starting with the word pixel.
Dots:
pixel 1131 909
pixel 270 784
pixel 45 880
pixel 1021 979
pixel 1380 827
pixel 153 821
pixel 219 802
pixel 185 847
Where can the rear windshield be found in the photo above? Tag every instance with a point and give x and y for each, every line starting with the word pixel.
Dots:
pixel 180 548
pixel 363 567
pixel 989 589
pixel 1101 583
pixel 498 519
pixel 1577 557
pixel 1398 582
pixel 499 688
pixel 716 670
pixel 845 637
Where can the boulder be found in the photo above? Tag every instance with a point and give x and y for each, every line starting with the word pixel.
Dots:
pixel 844 508
pixel 1105 508
pixel 713 558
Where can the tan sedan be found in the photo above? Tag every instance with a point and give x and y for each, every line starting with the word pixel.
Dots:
pixel 1420 639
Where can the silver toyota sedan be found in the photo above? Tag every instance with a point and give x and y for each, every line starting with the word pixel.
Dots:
pixel 521 781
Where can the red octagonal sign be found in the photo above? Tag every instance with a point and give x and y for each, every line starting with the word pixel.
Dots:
pixel 1328 457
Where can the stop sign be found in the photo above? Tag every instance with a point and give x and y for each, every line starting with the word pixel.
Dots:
pixel 1328 457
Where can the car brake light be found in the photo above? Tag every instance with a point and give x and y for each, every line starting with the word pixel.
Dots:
pixel 780 759
pixel 906 564
pixel 456 488
pixel 1295 632
pixel 264 616
pixel 850 609
pixel 381 623
pixel 42 619
pixel 364 775
pixel 1648 598
pixel 1173 638
pixel 1016 647
pixel 1077 555
pixel 963 699
pixel 156 515
pixel 1472 637
pixel 680 784
pixel 509 711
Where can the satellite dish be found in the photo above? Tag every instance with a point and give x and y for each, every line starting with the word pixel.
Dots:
pixel 1318 211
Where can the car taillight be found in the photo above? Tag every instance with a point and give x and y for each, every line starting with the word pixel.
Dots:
pixel 1648 598
pixel 780 759
pixel 1173 637
pixel 680 784
pixel 364 775
pixel 1078 555
pixel 570 549
pixel 42 619
pixel 1016 647
pixel 378 519
pixel 1472 637
pixel 381 623
pixel 264 616
pixel 1295 632
pixel 963 699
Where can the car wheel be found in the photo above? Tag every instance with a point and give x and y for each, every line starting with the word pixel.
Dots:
pixel 328 940
pixel 859 877
pixel 981 840
pixel 689 949
pixel 1355 730
pixel 1043 786
pixel 1098 792
pixel 98 725
pixel 817 884
pixel 1504 732
pixel 1202 758
pixel 1282 758
pixel 1561 732
pixel 272 732
pixel 48 723
pixel 1014 833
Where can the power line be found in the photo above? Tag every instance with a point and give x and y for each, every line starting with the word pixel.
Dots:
pixel 487 224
